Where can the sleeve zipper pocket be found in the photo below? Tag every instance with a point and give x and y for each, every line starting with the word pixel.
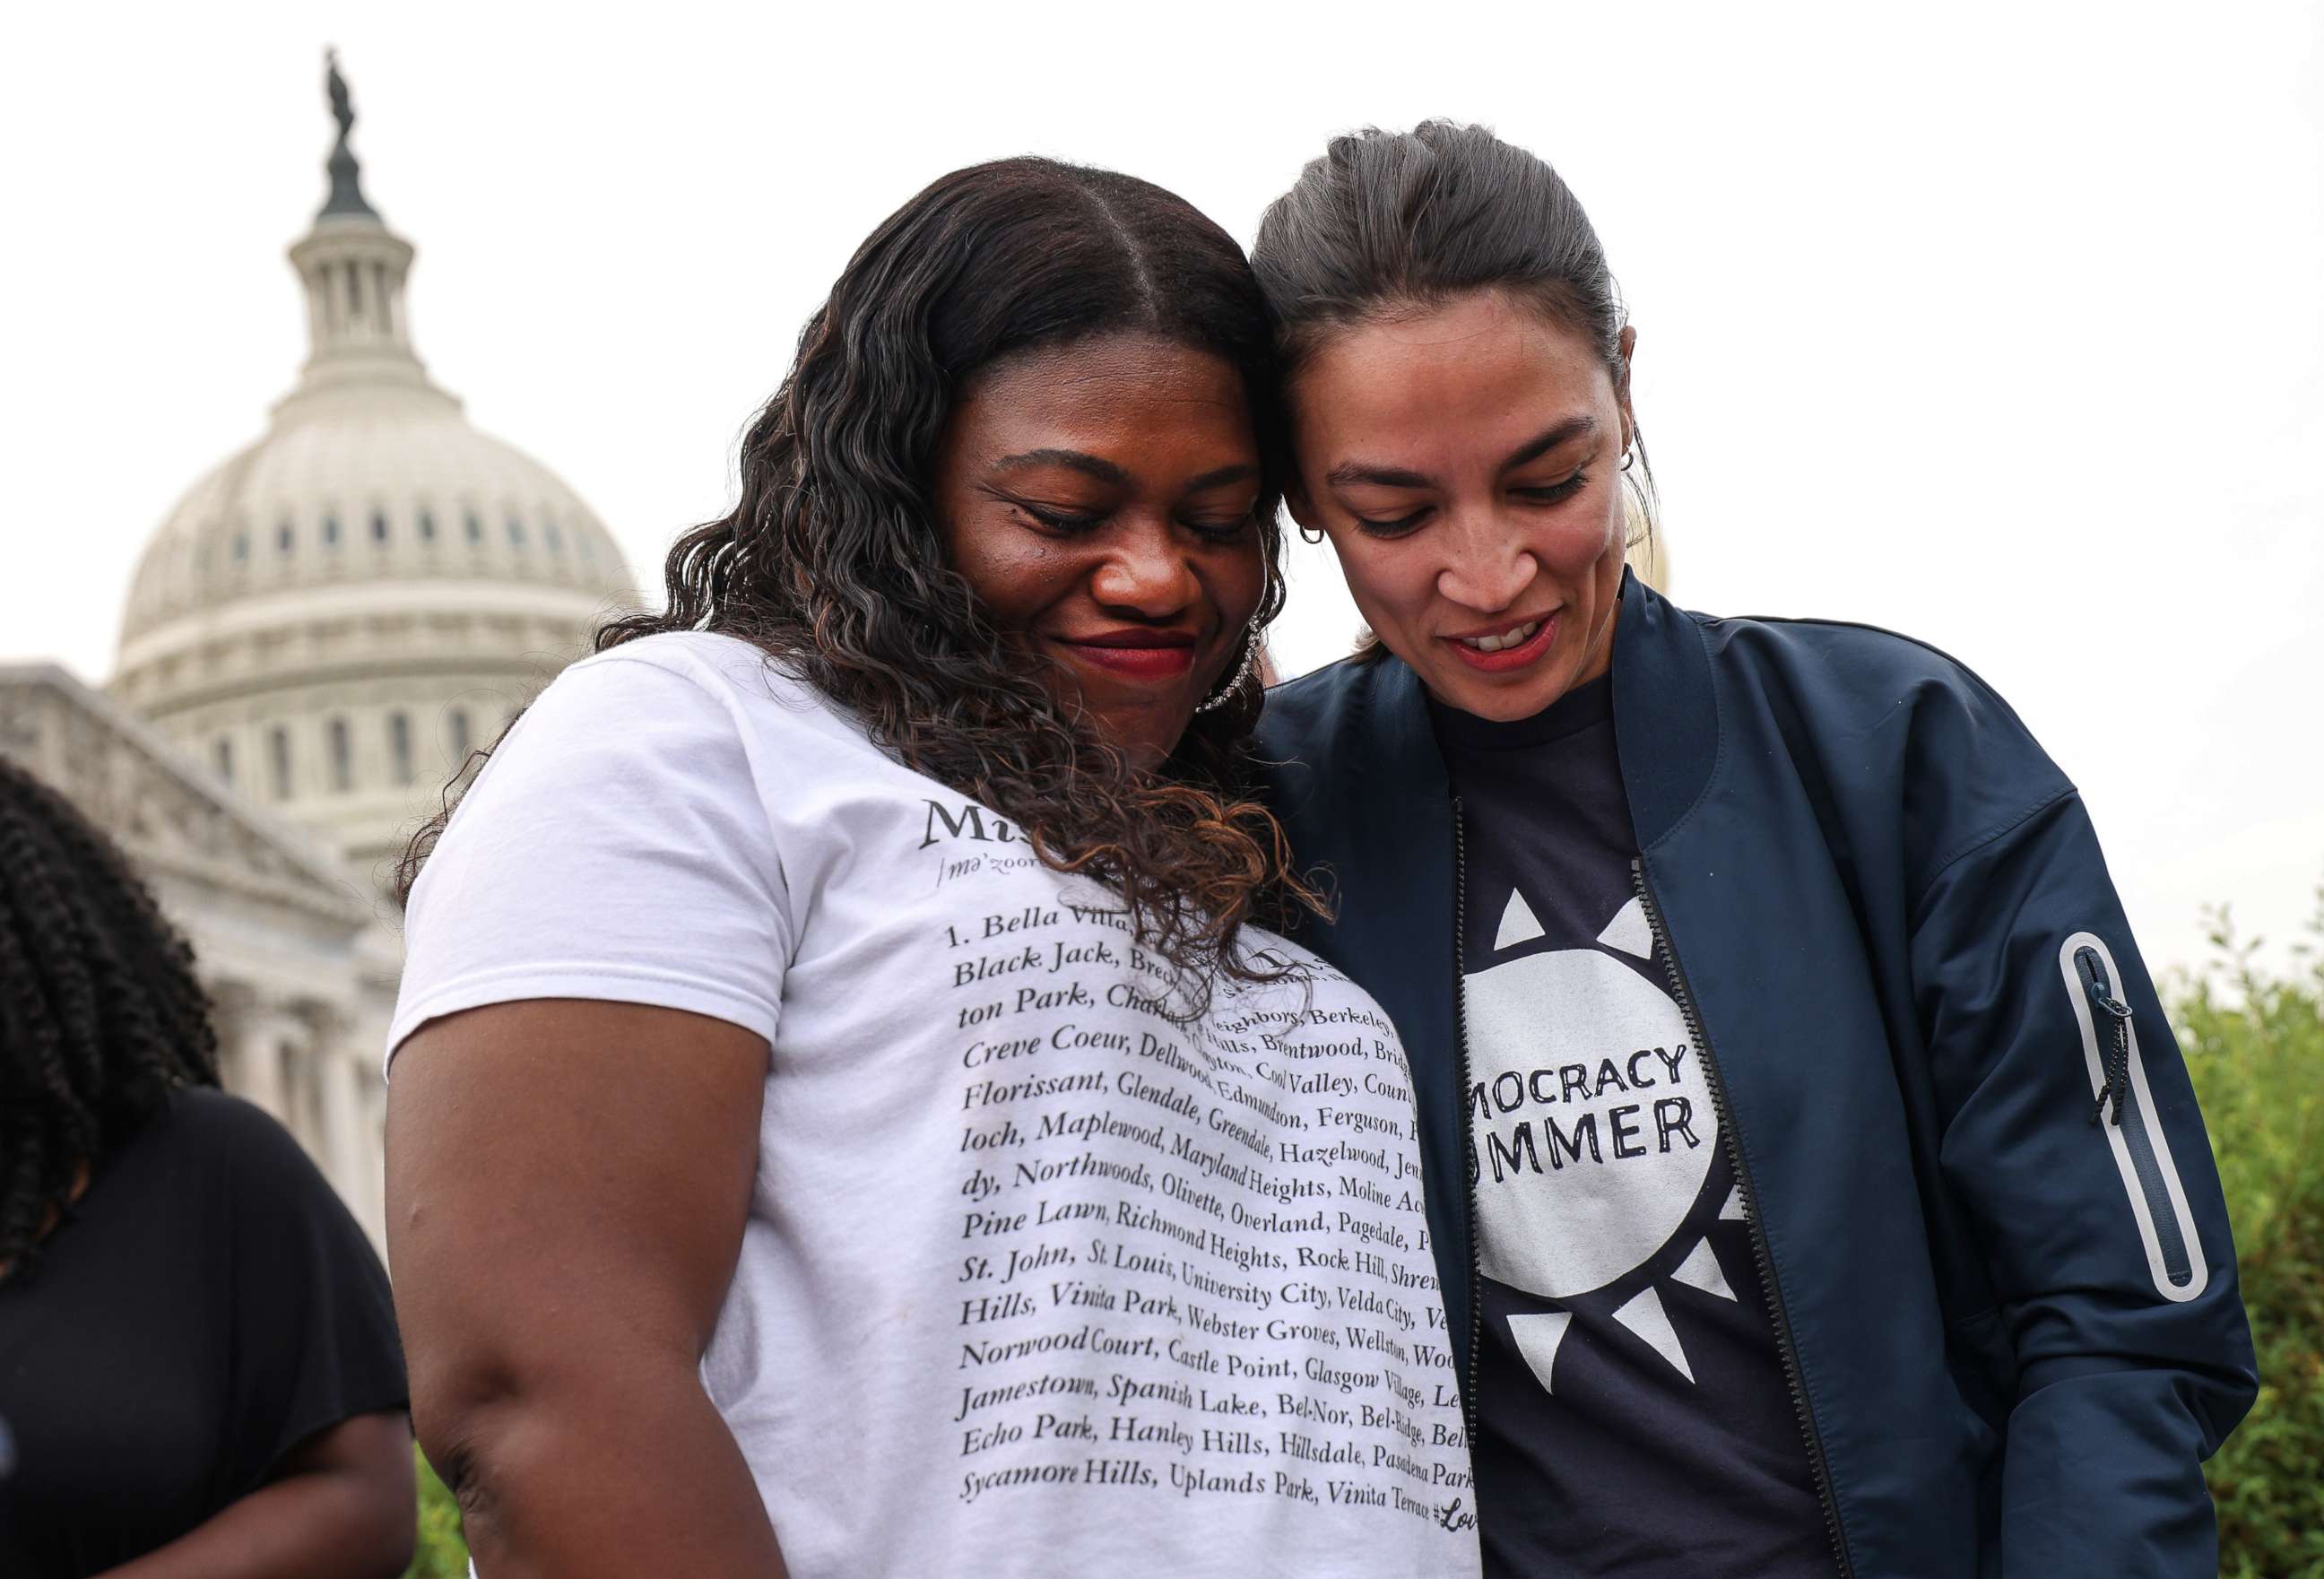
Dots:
pixel 2118 1089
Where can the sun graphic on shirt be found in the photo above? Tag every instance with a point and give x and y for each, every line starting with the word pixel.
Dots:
pixel 1596 1137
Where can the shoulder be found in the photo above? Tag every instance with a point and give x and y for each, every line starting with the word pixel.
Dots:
pixel 686 707
pixel 276 1197
pixel 1320 709
pixel 205 1116
pixel 214 1146
pixel 632 838
pixel 1876 660
pixel 700 669
pixel 1898 728
pixel 1859 679
pixel 237 1139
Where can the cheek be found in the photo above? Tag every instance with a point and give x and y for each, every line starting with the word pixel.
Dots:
pixel 1582 541
pixel 1239 582
pixel 1390 581
pixel 1014 573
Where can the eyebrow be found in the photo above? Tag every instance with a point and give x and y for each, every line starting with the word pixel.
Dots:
pixel 1089 466
pixel 1219 477
pixel 1533 449
pixel 1356 471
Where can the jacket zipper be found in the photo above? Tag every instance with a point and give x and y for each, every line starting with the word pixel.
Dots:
pixel 1787 1345
pixel 2114 1084
pixel 2142 1153
pixel 1468 1130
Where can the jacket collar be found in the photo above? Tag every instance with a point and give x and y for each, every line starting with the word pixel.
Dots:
pixel 1666 726
pixel 1403 752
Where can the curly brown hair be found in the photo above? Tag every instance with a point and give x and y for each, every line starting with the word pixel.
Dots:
pixel 831 561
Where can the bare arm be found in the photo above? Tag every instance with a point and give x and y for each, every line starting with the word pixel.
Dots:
pixel 342 1503
pixel 567 1184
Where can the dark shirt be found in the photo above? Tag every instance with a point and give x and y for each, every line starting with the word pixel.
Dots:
pixel 1632 1413
pixel 207 1306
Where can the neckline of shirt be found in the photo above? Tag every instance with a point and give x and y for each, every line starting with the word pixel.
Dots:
pixel 1584 706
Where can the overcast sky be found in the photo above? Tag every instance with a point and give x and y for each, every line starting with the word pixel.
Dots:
pixel 2002 326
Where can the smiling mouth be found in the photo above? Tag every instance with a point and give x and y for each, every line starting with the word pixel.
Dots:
pixel 1511 647
pixel 1147 656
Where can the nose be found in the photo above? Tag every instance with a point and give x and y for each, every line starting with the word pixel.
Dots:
pixel 1487 565
pixel 1145 574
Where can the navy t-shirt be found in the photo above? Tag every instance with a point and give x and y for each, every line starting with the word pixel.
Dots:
pixel 1632 1413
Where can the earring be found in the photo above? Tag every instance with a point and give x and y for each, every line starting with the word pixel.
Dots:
pixel 1629 457
pixel 1311 534
pixel 1225 693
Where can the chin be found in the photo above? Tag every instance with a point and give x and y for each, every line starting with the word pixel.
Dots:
pixel 1145 739
pixel 1142 726
pixel 1145 752
pixel 1507 704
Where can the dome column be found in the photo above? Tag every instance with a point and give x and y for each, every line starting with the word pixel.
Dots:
pixel 350 1157
pixel 261 1040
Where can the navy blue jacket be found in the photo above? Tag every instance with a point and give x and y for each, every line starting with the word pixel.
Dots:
pixel 2012 1332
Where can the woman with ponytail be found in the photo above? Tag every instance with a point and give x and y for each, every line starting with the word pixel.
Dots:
pixel 1817 1188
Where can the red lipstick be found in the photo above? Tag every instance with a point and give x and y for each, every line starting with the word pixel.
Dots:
pixel 1507 658
pixel 1134 654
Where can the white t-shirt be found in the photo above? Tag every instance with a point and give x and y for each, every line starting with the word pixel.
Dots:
pixel 1037 1279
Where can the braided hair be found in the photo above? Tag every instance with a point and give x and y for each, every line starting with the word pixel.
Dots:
pixel 101 1017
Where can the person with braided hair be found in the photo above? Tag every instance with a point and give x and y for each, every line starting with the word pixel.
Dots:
pixel 199 1366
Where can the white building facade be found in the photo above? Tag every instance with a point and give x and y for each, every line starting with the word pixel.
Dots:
pixel 319 633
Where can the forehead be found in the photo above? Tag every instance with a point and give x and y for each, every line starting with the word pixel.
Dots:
pixel 1481 372
pixel 1135 393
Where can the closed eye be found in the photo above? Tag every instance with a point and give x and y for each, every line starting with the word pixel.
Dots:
pixel 1223 531
pixel 1553 493
pixel 1057 520
pixel 1396 528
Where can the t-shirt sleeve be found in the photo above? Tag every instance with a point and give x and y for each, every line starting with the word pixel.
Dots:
pixel 614 847
pixel 313 1341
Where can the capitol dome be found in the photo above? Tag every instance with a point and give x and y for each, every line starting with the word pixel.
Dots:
pixel 337 615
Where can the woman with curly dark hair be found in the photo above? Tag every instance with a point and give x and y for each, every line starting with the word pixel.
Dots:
pixel 198 1367
pixel 846 1118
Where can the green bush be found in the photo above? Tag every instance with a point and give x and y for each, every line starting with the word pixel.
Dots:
pixel 441 1554
pixel 2255 1044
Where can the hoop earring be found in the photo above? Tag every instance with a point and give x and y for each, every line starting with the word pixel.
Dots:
pixel 1629 457
pixel 1225 693
pixel 1311 534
